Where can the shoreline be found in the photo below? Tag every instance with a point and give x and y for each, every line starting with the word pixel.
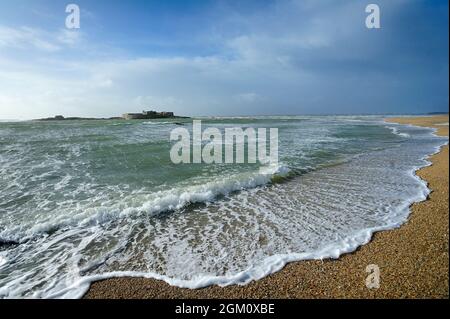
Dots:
pixel 413 258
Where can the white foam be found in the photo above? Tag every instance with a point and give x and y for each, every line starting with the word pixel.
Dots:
pixel 271 264
pixel 63 183
pixel 2 260
pixel 151 204
pixel 69 283
pixel 396 132
pixel 267 267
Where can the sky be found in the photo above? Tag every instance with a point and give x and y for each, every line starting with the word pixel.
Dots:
pixel 201 57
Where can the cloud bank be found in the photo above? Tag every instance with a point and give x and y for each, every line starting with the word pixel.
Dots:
pixel 288 57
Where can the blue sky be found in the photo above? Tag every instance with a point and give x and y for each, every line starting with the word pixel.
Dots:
pixel 222 58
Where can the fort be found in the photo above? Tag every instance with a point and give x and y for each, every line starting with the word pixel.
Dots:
pixel 145 115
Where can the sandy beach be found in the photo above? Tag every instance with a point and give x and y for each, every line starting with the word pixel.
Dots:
pixel 413 259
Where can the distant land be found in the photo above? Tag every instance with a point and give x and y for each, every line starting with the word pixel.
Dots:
pixel 145 115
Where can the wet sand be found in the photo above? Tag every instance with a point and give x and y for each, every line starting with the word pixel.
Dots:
pixel 413 259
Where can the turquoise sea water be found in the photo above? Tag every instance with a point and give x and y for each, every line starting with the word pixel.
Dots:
pixel 84 200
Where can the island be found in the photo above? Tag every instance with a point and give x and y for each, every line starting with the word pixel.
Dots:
pixel 62 118
pixel 145 115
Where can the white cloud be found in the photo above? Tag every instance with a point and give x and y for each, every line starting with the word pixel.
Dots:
pixel 296 57
pixel 26 38
pixel 69 37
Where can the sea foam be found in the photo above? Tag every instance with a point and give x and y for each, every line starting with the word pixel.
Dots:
pixel 245 228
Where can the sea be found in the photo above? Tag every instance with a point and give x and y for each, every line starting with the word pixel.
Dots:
pixel 82 201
